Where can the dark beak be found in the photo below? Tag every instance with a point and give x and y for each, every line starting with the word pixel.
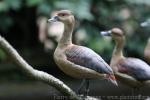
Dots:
pixel 53 19
pixel 105 33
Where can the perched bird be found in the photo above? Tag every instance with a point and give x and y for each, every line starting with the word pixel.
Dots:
pixel 78 61
pixel 131 71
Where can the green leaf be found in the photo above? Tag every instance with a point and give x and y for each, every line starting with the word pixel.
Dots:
pixel 13 4
pixel 31 3
pixel 2 55
pixel 5 23
pixel 147 2
pixel 81 8
pixel 44 8
pixel 3 7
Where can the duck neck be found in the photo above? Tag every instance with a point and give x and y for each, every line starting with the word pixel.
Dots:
pixel 118 50
pixel 66 38
pixel 148 44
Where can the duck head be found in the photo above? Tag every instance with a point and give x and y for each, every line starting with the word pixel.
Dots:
pixel 115 33
pixel 64 16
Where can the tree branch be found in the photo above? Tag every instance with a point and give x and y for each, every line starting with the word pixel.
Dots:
pixel 40 75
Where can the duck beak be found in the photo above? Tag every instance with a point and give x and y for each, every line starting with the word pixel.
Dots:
pixel 106 33
pixel 112 79
pixel 53 19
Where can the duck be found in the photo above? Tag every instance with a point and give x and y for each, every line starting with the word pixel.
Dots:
pixel 78 61
pixel 131 71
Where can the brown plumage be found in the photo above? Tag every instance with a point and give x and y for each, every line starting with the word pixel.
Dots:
pixel 147 51
pixel 78 61
pixel 131 71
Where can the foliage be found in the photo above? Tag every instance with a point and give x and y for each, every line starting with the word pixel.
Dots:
pixel 94 16
pixel 2 55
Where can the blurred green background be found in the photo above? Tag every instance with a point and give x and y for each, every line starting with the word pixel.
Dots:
pixel 23 24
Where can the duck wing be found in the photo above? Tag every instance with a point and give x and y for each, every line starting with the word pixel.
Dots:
pixel 87 58
pixel 135 68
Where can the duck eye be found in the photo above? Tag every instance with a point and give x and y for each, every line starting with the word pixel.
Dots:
pixel 62 14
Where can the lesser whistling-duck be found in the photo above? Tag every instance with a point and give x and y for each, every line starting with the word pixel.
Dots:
pixel 131 71
pixel 78 61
